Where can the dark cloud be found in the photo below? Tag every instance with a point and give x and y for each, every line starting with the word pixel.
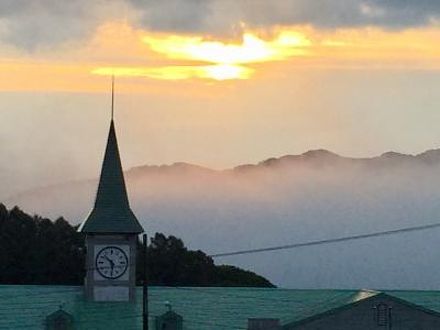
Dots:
pixel 31 23
pixel 321 13
pixel 403 13
pixel 174 15
pixel 222 15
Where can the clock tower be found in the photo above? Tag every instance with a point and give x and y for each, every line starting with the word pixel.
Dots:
pixel 111 231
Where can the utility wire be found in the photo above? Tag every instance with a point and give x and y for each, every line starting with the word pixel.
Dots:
pixel 327 241
pixel 274 248
pixel 295 245
pixel 304 244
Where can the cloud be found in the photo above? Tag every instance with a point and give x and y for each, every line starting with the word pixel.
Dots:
pixel 175 15
pixel 225 15
pixel 290 200
pixel 403 13
pixel 35 23
pixel 30 24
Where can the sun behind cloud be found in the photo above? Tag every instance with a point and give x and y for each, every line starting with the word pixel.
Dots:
pixel 251 49
pixel 223 60
pixel 217 72
pixel 117 48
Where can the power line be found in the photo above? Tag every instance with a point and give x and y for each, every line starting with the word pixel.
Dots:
pixel 327 241
pixel 304 244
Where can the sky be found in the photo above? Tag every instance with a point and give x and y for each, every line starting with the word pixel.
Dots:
pixel 212 82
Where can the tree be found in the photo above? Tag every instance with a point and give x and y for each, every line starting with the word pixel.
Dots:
pixel 170 263
pixel 36 250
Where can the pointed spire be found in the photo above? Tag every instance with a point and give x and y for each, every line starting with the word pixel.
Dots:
pixel 111 190
pixel 111 213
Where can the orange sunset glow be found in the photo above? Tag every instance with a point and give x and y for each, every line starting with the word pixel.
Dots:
pixel 227 60
pixel 224 60
pixel 119 49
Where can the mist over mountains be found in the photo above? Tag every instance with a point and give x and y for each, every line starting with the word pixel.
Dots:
pixel 291 199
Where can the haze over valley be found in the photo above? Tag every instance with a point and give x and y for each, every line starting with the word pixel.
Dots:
pixel 291 199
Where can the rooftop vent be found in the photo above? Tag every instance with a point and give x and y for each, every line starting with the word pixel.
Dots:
pixel 59 320
pixel 170 320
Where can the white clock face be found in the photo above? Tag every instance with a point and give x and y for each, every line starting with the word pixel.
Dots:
pixel 111 262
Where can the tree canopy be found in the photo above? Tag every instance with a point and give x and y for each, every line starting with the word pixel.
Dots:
pixel 36 250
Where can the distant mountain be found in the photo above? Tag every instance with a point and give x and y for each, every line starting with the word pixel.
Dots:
pixel 293 198
pixel 323 157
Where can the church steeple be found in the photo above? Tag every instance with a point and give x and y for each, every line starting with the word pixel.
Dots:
pixel 111 213
pixel 111 233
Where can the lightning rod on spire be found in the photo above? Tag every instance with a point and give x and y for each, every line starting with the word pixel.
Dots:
pixel 113 95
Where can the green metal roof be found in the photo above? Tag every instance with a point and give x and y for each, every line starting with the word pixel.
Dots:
pixel 25 307
pixel 358 299
pixel 111 213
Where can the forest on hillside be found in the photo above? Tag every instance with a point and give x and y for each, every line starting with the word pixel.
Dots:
pixel 36 250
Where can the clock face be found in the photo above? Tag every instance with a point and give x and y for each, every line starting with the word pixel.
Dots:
pixel 111 262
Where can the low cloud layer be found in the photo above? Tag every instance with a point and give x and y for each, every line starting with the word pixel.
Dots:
pixel 35 23
pixel 294 199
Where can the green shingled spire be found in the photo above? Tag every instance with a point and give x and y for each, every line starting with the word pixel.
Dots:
pixel 111 213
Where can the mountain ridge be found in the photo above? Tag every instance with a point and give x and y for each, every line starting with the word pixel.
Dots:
pixel 430 155
pixel 313 157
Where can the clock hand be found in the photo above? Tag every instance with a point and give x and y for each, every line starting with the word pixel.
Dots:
pixel 112 263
